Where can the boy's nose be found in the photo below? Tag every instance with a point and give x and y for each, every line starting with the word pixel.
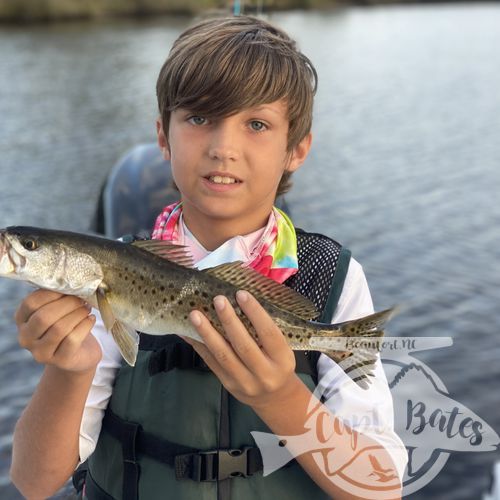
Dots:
pixel 223 144
pixel 223 153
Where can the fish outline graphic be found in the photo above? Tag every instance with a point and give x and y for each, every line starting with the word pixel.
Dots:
pixel 404 372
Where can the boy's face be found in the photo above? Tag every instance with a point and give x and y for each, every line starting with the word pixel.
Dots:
pixel 229 169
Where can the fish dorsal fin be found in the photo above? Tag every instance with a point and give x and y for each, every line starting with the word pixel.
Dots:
pixel 265 288
pixel 178 254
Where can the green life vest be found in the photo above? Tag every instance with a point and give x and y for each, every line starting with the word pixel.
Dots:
pixel 170 398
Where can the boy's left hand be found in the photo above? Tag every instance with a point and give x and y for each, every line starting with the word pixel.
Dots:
pixel 254 375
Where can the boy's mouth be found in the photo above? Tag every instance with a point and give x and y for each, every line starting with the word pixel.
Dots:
pixel 218 179
pixel 221 178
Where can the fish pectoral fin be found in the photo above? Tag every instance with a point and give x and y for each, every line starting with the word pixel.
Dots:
pixel 126 338
pixel 108 317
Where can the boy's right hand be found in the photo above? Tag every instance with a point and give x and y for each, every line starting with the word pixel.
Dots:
pixel 55 328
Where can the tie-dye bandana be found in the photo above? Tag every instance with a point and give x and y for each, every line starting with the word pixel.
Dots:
pixel 275 255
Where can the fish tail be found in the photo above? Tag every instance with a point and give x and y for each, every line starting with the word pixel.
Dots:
pixel 350 346
pixel 369 326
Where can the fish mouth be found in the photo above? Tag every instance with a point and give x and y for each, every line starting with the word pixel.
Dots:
pixel 7 267
pixel 4 250
pixel 3 243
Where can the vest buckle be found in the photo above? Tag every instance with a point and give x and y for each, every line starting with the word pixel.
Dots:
pixel 233 463
pixel 215 465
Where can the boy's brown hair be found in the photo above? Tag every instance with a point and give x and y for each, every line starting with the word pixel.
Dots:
pixel 219 67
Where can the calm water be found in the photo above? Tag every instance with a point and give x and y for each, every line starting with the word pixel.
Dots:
pixel 404 171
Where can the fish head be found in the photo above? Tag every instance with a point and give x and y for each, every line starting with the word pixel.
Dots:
pixel 41 258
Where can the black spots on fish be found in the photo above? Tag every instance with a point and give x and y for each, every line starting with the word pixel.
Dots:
pixel 125 278
pixel 153 291
pixel 164 300
pixel 197 292
pixel 185 316
pixel 139 288
pixel 290 335
pixel 205 309
pixel 179 302
pixel 161 316
pixel 204 295
pixel 170 285
pixel 162 288
pixel 192 303
pixel 157 304
pixel 145 291
pixel 297 336
pixel 171 313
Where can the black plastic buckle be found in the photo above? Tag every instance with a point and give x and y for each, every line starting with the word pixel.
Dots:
pixel 217 465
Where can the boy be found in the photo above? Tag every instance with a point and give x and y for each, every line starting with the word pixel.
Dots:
pixel 235 99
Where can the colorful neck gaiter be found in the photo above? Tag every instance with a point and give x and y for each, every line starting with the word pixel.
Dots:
pixel 274 256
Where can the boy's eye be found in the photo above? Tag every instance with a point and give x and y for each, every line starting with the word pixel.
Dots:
pixel 257 125
pixel 197 120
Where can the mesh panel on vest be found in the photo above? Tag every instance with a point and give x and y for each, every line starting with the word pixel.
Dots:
pixel 317 257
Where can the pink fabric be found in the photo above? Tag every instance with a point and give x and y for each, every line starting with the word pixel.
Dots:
pixel 263 256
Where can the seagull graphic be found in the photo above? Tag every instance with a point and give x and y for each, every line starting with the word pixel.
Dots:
pixel 382 474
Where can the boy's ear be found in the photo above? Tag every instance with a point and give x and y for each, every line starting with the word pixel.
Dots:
pixel 299 153
pixel 162 140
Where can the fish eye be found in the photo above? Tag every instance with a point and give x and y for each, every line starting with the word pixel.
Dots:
pixel 30 244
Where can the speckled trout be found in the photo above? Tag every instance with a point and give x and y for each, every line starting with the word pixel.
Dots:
pixel 151 286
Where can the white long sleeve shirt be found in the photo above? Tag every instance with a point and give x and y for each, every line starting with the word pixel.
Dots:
pixel 349 402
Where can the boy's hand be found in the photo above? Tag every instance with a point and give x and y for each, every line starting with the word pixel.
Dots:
pixel 256 376
pixel 55 328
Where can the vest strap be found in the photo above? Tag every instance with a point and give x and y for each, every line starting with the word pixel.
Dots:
pixel 182 356
pixel 128 434
pixel 178 355
pixel 224 444
pixel 189 463
pixel 343 261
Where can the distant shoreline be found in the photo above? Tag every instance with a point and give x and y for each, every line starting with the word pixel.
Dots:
pixel 36 11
